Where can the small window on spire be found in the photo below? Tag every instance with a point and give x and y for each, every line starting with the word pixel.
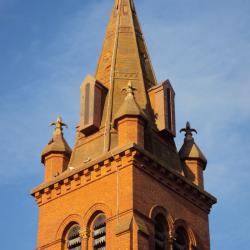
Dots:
pixel 92 102
pixel 87 106
pixel 162 98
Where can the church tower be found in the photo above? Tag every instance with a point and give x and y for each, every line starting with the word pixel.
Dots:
pixel 124 185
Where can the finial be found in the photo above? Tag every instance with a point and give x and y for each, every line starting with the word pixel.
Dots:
pixel 188 131
pixel 58 125
pixel 130 89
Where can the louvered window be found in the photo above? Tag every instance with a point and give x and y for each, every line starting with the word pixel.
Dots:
pixel 160 232
pixel 181 239
pixel 74 239
pixel 99 233
pixel 162 98
pixel 169 109
pixel 87 104
pixel 93 96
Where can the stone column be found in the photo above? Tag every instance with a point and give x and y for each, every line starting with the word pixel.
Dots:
pixel 84 233
pixel 170 241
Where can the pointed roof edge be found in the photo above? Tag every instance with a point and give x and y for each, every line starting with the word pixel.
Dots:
pixel 145 44
pixel 117 6
pixel 190 151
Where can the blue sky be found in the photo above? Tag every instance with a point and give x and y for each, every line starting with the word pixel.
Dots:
pixel 46 49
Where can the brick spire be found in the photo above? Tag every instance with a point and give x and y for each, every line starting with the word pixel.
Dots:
pixel 124 58
pixel 124 54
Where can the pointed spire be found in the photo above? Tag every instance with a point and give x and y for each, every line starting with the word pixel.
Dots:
pixel 124 58
pixel 57 144
pixel 124 54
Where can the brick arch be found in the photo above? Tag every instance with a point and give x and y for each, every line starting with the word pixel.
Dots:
pixel 157 209
pixel 191 236
pixel 67 223
pixel 93 211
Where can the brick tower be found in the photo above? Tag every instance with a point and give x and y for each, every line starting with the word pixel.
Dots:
pixel 124 185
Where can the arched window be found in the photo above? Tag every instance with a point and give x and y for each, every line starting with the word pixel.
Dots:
pixel 99 232
pixel 160 237
pixel 181 241
pixel 73 238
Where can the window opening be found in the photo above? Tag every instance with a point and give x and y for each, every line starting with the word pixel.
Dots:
pixel 169 110
pixel 87 104
pixel 181 239
pixel 99 232
pixel 160 232
pixel 74 239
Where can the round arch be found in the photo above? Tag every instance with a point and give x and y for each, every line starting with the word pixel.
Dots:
pixel 191 236
pixel 93 211
pixel 67 223
pixel 157 209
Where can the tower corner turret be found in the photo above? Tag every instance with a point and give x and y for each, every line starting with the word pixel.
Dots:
pixel 194 161
pixel 56 154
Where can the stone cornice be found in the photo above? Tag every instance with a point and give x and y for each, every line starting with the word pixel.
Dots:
pixel 173 180
pixel 119 158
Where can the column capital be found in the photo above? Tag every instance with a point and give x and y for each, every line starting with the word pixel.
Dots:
pixel 84 233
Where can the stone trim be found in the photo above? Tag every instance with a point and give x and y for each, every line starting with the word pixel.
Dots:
pixel 50 244
pixel 121 158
